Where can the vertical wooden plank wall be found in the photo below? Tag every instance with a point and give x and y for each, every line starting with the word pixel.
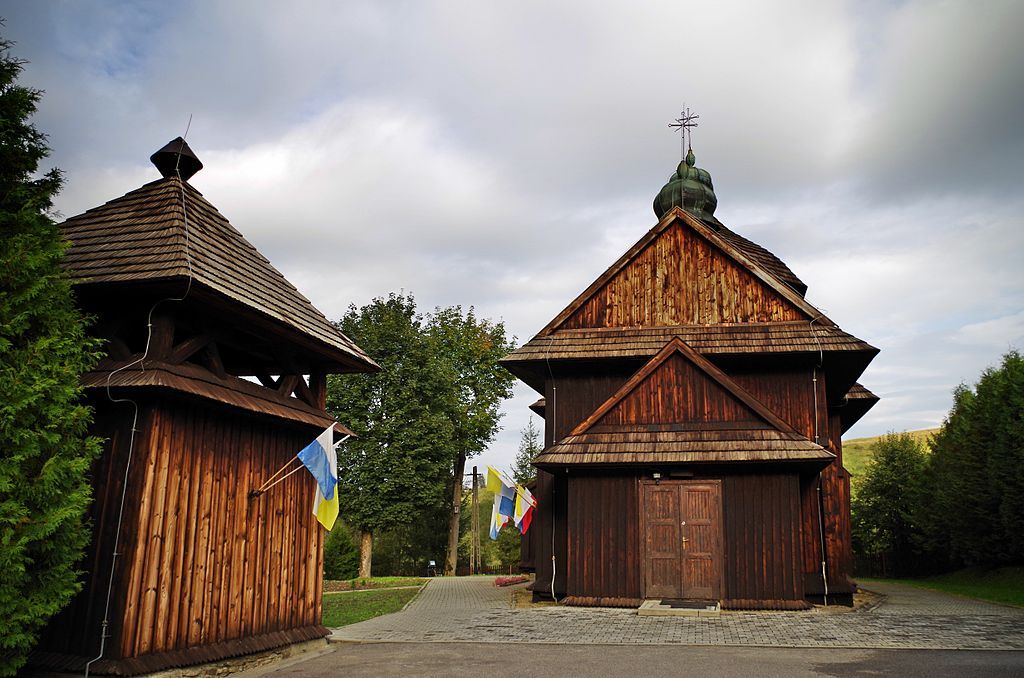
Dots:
pixel 76 630
pixel 207 564
pixel 549 529
pixel 573 395
pixel 681 278
pixel 603 559
pixel 678 392
pixel 761 516
pixel 790 394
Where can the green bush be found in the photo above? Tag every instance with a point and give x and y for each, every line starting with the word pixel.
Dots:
pixel 886 509
pixel 341 555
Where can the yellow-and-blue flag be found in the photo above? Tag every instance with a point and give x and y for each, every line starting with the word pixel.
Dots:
pixel 322 461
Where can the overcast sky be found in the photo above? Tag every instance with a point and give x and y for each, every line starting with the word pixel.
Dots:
pixel 501 155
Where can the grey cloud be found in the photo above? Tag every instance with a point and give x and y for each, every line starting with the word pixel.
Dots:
pixel 503 155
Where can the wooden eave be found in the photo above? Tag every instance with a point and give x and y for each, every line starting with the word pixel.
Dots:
pixel 727 247
pixel 854 406
pixel 196 381
pixel 703 442
pixel 631 448
pixel 147 237
pixel 540 406
pixel 837 351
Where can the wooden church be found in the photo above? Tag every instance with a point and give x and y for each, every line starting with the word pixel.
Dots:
pixel 202 396
pixel 694 403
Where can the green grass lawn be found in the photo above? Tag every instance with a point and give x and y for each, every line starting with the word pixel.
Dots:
pixel 1000 584
pixel 341 609
pixel 371 583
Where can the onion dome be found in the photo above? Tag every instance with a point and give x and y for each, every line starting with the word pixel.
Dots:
pixel 689 188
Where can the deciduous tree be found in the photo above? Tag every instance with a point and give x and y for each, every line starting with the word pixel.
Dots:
pixel 886 508
pixel 469 349
pixel 394 471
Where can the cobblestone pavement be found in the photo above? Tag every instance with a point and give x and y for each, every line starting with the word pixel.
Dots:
pixel 471 609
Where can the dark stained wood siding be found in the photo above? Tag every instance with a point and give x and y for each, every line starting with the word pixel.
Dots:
pixel 681 278
pixel 76 630
pixel 572 395
pixel 603 547
pixel 762 541
pixel 548 530
pixel 789 393
pixel 678 392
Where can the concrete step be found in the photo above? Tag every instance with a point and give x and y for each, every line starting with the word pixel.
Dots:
pixel 665 608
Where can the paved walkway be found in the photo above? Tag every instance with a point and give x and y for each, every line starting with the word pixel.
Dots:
pixel 472 609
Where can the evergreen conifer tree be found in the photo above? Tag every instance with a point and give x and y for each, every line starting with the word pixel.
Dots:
pixel 45 453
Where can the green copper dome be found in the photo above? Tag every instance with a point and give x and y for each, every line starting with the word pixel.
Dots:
pixel 689 188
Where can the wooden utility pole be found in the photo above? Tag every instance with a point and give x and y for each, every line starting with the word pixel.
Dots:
pixel 475 559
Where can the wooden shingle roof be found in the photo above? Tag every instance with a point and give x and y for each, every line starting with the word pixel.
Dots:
pixel 231 391
pixel 147 236
pixel 760 255
pixel 620 448
pixel 639 342
pixel 855 404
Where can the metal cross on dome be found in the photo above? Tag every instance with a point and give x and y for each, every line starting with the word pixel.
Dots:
pixel 685 124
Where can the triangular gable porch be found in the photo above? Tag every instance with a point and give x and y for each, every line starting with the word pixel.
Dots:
pixel 680 408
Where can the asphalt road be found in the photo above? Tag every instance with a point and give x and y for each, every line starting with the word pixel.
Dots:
pixel 497 660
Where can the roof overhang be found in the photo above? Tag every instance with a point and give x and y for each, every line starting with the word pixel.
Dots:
pixel 682 447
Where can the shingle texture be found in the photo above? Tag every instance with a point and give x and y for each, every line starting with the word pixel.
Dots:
pixel 147 235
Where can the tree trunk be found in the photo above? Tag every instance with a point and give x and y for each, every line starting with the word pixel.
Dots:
pixel 453 522
pixel 365 554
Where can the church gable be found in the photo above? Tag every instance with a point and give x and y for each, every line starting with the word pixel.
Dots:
pixel 679 393
pixel 680 390
pixel 679 276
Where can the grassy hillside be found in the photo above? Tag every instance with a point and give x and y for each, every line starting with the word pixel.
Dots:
pixel 857 451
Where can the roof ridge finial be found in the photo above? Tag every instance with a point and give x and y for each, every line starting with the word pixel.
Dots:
pixel 685 124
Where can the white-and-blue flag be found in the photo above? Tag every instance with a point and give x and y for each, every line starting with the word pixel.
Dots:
pixel 322 461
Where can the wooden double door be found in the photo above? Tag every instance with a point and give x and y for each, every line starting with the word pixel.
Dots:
pixel 682 542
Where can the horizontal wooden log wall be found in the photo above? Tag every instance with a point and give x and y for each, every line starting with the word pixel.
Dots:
pixel 207 564
pixel 603 563
pixel 678 279
pixel 761 516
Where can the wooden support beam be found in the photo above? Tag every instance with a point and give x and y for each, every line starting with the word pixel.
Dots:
pixel 303 393
pixel 288 383
pixel 213 361
pixel 117 349
pixel 318 385
pixel 188 348
pixel 162 337
pixel 266 379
